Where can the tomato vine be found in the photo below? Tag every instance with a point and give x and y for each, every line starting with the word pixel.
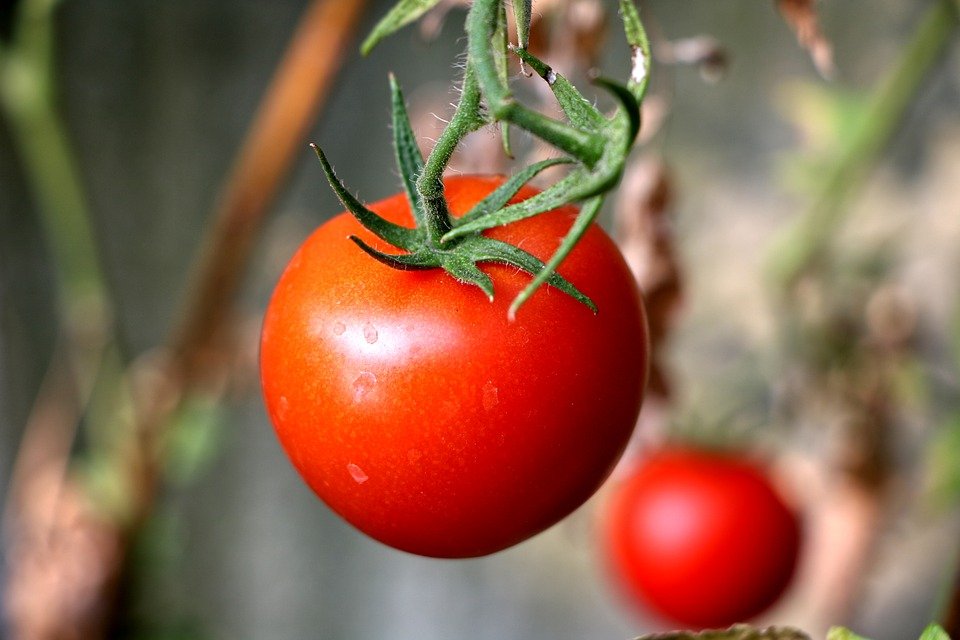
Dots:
pixel 595 145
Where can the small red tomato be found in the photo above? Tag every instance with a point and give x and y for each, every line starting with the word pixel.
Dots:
pixel 701 538
pixel 421 414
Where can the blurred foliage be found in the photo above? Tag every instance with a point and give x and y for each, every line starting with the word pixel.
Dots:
pixel 825 118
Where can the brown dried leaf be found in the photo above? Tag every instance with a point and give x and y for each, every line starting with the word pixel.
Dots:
pixel 646 240
pixel 64 561
pixel 802 17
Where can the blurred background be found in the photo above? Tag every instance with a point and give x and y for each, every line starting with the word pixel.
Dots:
pixel 119 138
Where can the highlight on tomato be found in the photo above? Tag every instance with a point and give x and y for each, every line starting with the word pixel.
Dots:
pixel 700 538
pixel 425 416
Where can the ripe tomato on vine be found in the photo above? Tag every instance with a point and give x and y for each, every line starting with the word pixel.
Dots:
pixel 460 366
pixel 420 413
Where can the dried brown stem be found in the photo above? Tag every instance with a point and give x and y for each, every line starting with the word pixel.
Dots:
pixel 290 106
pixel 67 557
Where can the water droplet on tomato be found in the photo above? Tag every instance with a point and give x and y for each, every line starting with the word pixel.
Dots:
pixel 339 328
pixel 370 333
pixel 363 384
pixel 491 396
pixel 283 406
pixel 357 473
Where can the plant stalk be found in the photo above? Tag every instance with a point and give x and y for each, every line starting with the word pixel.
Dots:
pixel 805 244
pixel 465 119
pixel 481 29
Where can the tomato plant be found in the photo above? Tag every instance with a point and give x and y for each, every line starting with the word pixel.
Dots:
pixel 418 411
pixel 701 538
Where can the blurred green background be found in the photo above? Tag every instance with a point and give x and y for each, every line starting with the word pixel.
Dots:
pixel 156 98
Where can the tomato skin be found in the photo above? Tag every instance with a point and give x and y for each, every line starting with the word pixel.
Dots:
pixel 417 411
pixel 701 538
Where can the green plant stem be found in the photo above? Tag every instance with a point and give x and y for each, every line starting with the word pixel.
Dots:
pixel 481 28
pixel 805 243
pixel 28 100
pixel 430 182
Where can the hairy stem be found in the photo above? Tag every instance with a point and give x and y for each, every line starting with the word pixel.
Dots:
pixel 465 119
pixel 481 27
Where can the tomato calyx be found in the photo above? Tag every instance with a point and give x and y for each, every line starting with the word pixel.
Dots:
pixel 426 246
pixel 596 146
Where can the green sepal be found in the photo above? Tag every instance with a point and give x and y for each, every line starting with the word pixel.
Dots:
pixel 402 261
pixel 574 104
pixel 466 270
pixel 521 13
pixel 500 196
pixel 581 183
pixel 402 14
pixel 395 234
pixel 588 213
pixel 461 263
pixel 409 158
pixel 483 249
pixel 586 146
pixel 640 49
pixel 629 107
pixel 556 196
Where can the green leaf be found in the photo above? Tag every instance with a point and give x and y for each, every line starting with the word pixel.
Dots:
pixel 393 233
pixel 408 155
pixel 402 14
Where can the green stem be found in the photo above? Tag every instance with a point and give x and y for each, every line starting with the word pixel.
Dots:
pixel 481 27
pixel 27 98
pixel 806 243
pixel 430 183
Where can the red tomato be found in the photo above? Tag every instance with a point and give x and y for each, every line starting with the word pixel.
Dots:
pixel 418 412
pixel 701 538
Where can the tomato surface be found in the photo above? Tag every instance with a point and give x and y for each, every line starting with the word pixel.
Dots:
pixel 417 411
pixel 700 538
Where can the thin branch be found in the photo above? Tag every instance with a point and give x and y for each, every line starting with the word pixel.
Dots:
pixel 69 589
pixel 294 97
